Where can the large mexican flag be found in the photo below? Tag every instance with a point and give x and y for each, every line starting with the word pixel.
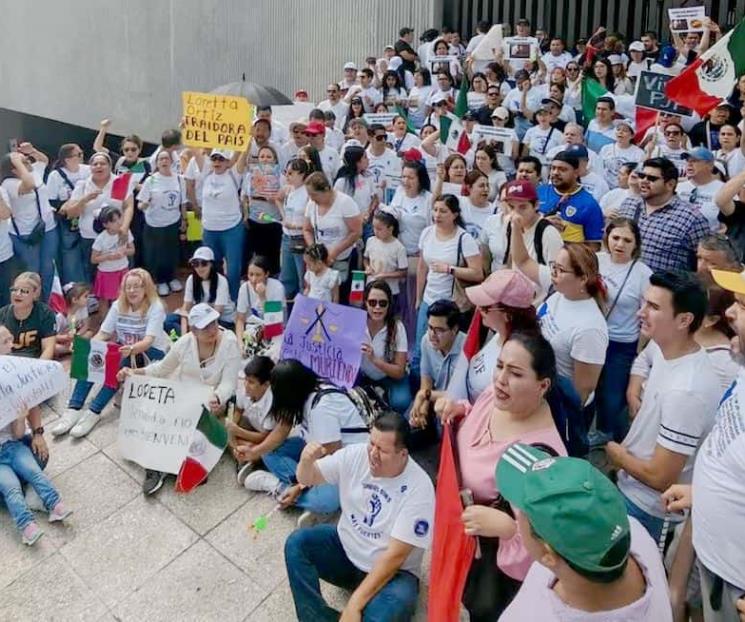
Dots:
pixel 95 361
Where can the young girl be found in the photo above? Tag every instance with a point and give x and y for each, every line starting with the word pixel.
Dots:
pixel 76 321
pixel 111 256
pixel 257 290
pixel 321 282
pixel 385 256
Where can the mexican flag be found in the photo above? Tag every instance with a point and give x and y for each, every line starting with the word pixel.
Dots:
pixel 711 78
pixel 410 129
pixel 57 302
pixel 592 91
pixel 95 361
pixel 120 186
pixel 273 318
pixel 357 291
pixel 209 441
pixel 451 129
pixel 457 389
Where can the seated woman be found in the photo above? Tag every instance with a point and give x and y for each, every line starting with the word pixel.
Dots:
pixel 385 353
pixel 135 323
pixel 30 321
pixel 325 415
pixel 258 289
pixel 513 409
pixel 208 354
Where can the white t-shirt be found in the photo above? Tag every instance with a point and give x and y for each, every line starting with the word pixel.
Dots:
pixel 677 411
pixel 249 303
pixel 613 157
pixel 23 206
pixel 735 161
pixel 552 62
pixel 192 173
pixel 333 418
pixel 387 257
pixel 362 193
pixel 719 503
pixel 472 377
pixel 419 97
pixel 378 345
pixel 623 324
pixel 331 228
pixel 257 414
pixel 399 145
pixel 674 155
pixel 723 364
pixel 295 204
pixel 494 235
pixel 576 330
pixel 94 207
pixel 376 509
pixel 220 199
pixel 222 296
pixel 594 162
pixel 475 217
pixel 440 284
pixel 321 287
pixel 6 246
pixel 108 243
pixel 540 140
pixel 414 215
pixel 340 110
pixel 58 188
pixel 613 199
pixel 129 328
pixel 330 161
pixel 164 196
pixel 594 184
pixel 704 199
pixel 382 167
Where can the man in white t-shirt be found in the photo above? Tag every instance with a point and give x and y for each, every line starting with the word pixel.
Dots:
pixel 701 184
pixel 556 55
pixel 679 402
pixel 365 90
pixel 280 135
pixel 335 104
pixel 376 550
pixel 574 134
pixel 316 134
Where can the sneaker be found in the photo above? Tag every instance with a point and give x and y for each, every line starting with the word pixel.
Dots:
pixel 31 533
pixel 262 481
pixel 243 472
pixel 175 286
pixel 59 513
pixel 163 289
pixel 86 423
pixel 310 519
pixel 153 481
pixel 92 304
pixel 33 500
pixel 66 422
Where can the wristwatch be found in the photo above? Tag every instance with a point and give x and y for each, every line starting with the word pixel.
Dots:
pixel 38 431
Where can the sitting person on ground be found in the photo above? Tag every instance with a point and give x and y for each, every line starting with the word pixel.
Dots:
pixel 75 321
pixel 321 281
pixel 30 321
pixel 258 289
pixel 376 550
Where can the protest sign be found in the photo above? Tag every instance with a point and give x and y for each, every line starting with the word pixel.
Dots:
pixel 440 63
pixel 451 188
pixel 520 48
pixel 265 179
pixel 25 383
pixel 216 121
pixel 491 42
pixel 193 227
pixel 500 137
pixel 326 337
pixel 650 93
pixel 158 419
pixel 688 19
pixel 384 118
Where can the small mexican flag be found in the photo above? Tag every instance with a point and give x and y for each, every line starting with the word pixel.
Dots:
pixel 120 186
pixel 711 78
pixel 357 291
pixel 273 318
pixel 209 441
pixel 95 361
pixel 57 302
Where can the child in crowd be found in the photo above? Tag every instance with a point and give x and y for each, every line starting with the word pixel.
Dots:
pixel 321 282
pixel 385 256
pixel 256 291
pixel 75 322
pixel 17 464
pixel 111 254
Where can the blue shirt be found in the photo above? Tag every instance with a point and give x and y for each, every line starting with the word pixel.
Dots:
pixel 440 367
pixel 582 216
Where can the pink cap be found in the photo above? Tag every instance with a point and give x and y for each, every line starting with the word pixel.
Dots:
pixel 315 127
pixel 507 287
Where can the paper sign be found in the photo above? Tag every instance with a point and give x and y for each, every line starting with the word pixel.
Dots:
pixel 451 188
pixel 688 19
pixel 216 121
pixel 492 41
pixel 500 137
pixel 25 383
pixel 384 118
pixel 193 227
pixel 650 93
pixel 265 179
pixel 158 419
pixel 440 63
pixel 520 48
pixel 326 337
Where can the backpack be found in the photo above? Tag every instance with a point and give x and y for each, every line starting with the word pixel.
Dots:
pixel 368 402
pixel 540 227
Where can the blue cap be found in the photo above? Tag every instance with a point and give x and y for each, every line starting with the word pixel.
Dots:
pixel 577 151
pixel 699 153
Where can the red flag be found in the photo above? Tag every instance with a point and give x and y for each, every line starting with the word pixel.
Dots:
pixel 464 143
pixel 645 118
pixel 120 187
pixel 452 549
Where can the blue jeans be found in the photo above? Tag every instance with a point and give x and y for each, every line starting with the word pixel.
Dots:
pixel 39 258
pixel 397 392
pixel 69 264
pixel 323 499
pixel 17 463
pixel 83 387
pixel 421 330
pixel 610 395
pixel 228 245
pixel 652 524
pixel 317 553
pixel 85 248
pixel 293 268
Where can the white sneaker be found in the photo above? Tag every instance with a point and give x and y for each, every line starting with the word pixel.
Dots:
pixel 163 289
pixel 244 472
pixel 33 500
pixel 175 285
pixel 66 422
pixel 87 422
pixel 262 481
pixel 310 519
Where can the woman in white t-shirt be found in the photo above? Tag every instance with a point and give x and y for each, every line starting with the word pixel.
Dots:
pixel 292 201
pixel 32 226
pixel 354 180
pixel 476 207
pixel 626 279
pixel 163 200
pixel 7 265
pixel 613 155
pixel 419 97
pixel 258 289
pixel 401 139
pixel 134 323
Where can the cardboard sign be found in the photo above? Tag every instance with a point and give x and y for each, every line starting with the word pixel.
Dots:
pixel 689 19
pixel 500 137
pixel 383 118
pixel 25 383
pixel 491 42
pixel 158 419
pixel 326 337
pixel 650 93
pixel 520 48
pixel 216 121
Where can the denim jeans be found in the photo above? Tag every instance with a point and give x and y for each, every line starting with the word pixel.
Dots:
pixel 652 524
pixel 293 269
pixel 323 499
pixel 71 269
pixel 421 330
pixel 17 464
pixel 610 395
pixel 317 553
pixel 228 245
pixel 39 258
pixel 397 392
pixel 83 387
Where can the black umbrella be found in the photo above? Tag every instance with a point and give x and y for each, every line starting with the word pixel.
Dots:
pixel 257 94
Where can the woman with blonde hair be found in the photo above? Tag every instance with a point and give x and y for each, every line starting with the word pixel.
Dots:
pixel 135 323
pixel 30 321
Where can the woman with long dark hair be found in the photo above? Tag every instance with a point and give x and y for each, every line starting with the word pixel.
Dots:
pixel 394 93
pixel 603 73
pixel 354 180
pixel 356 111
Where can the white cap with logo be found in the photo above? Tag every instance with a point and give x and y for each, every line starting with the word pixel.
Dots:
pixel 202 315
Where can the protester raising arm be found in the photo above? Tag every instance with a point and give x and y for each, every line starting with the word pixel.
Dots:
pixel 98 143
pixel 726 195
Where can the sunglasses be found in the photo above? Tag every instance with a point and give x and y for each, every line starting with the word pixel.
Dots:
pixel 372 302
pixel 572 68
pixel 20 290
pixel 199 263
pixel 649 178
pixel 380 137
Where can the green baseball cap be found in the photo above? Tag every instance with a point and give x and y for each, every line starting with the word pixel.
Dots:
pixel 571 505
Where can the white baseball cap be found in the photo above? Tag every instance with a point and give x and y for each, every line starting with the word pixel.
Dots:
pixel 350 65
pixel 202 315
pixel 501 113
pixel 636 46
pixel 615 59
pixel 204 253
pixel 227 154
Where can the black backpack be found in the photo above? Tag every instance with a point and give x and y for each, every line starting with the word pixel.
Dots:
pixel 540 227
pixel 366 399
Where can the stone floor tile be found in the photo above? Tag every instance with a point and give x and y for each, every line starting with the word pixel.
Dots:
pixel 105 433
pixel 279 607
pixel 135 471
pixel 17 558
pixel 65 452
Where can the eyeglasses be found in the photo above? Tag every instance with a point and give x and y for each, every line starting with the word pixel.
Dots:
pixel 572 68
pixel 374 302
pixel 199 263
pixel 437 331
pixel 558 269
pixel 380 137
pixel 20 290
pixel 649 178
pixel 217 158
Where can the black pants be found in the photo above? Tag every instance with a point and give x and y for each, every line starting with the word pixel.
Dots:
pixel 137 227
pixel 488 590
pixel 263 239
pixel 161 251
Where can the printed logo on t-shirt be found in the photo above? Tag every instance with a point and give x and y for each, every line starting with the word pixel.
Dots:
pixel 421 527
pixel 570 210
pixel 375 505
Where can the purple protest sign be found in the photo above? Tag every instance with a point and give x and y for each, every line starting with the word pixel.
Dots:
pixel 325 337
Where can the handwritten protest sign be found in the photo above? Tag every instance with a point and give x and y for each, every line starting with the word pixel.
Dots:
pixel 491 42
pixel 384 118
pixel 158 419
pixel 326 337
pixel 216 121
pixel 650 93
pixel 688 19
pixel 27 382
pixel 265 179
pixel 501 137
